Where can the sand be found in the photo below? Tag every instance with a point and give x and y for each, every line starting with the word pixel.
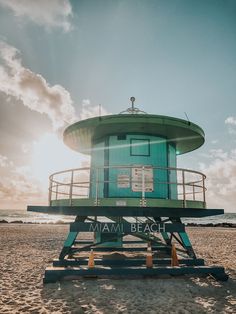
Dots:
pixel 27 249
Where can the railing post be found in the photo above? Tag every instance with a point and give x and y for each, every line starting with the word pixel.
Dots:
pixel 71 187
pixel 204 191
pixel 183 182
pixel 96 196
pixel 194 192
pixel 143 184
pixel 50 192
pixel 56 191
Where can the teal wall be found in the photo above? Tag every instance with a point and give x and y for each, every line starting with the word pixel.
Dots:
pixel 172 173
pixel 133 150
pixel 138 150
pixel 97 161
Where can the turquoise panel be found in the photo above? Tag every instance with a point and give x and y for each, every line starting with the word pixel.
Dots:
pixel 109 239
pixel 97 170
pixel 139 147
pixel 173 194
pixel 99 187
pixel 137 150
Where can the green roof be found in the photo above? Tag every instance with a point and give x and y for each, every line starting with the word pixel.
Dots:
pixel 186 135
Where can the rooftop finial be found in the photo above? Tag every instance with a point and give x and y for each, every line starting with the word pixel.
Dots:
pixel 132 99
pixel 132 109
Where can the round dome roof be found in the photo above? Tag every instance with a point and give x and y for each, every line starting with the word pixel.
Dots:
pixel 186 135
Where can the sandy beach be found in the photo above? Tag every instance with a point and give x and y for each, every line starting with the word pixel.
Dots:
pixel 27 249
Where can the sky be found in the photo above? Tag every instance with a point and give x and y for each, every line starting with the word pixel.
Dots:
pixel 60 59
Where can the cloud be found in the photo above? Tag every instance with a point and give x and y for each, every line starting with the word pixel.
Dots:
pixel 89 111
pixel 4 162
pixel 24 184
pixel 33 90
pixel 47 13
pixel 231 122
pixel 217 153
pixel 18 187
pixel 221 180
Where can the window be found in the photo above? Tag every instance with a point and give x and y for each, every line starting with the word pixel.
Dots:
pixel 121 137
pixel 139 147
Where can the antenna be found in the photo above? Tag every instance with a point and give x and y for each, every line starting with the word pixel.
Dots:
pixel 99 111
pixel 187 118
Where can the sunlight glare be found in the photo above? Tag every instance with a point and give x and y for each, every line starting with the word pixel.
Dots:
pixel 50 155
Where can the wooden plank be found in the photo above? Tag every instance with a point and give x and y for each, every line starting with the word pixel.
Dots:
pixel 123 242
pixel 126 262
pixel 119 249
pixel 53 274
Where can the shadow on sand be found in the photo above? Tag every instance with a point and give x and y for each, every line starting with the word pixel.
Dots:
pixel 156 295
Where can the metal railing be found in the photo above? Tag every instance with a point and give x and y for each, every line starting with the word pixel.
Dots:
pixel 144 182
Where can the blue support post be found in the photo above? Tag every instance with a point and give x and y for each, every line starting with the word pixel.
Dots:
pixel 187 244
pixel 68 244
pixel 66 250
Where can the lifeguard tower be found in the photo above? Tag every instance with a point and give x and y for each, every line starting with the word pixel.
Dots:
pixel 132 198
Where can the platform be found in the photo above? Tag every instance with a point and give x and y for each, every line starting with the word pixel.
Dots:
pixel 126 211
pixel 56 274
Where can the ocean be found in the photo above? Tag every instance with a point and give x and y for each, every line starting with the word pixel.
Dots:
pixel 20 215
